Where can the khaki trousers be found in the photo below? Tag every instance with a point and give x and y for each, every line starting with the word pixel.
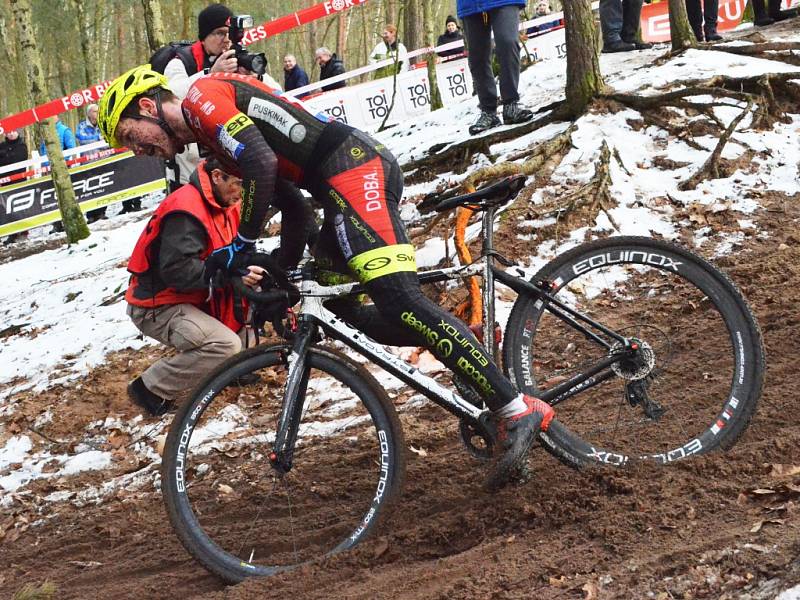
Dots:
pixel 202 343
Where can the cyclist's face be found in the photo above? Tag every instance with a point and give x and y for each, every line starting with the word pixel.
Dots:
pixel 145 138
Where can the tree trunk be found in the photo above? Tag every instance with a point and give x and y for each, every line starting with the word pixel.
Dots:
pixel 391 12
pixel 584 80
pixel 74 223
pixel 430 40
pixel 86 51
pixel 155 25
pixel 679 29
pixel 342 27
pixel 413 30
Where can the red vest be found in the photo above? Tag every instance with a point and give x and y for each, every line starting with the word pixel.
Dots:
pixel 221 225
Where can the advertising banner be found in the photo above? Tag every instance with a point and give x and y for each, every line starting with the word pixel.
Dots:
pixel 455 81
pixel 33 203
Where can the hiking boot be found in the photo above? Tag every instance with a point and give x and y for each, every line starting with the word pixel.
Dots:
pixel 713 36
pixel 640 45
pixel 515 436
pixel 514 114
pixel 485 121
pixel 153 405
pixel 618 46
pixel 776 14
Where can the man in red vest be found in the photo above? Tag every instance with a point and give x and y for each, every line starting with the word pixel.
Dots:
pixel 168 295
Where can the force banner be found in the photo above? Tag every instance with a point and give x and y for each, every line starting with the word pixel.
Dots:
pixel 33 203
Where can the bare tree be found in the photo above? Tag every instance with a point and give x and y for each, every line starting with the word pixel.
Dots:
pixel 155 24
pixel 74 223
pixel 430 40
pixel 86 51
pixel 584 80
pixel 679 29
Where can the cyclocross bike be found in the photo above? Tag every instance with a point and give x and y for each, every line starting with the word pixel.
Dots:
pixel 648 351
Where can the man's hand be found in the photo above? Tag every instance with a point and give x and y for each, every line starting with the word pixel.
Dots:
pixel 254 276
pixel 225 63
pixel 232 258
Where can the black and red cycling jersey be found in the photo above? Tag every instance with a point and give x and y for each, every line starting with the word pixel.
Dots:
pixel 263 135
pixel 249 124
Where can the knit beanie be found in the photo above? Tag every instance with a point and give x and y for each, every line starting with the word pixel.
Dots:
pixel 211 17
pixel 450 19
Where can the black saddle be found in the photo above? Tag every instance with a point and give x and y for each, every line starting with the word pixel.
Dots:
pixel 492 195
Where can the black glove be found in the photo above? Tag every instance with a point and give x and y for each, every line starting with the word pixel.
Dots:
pixel 233 258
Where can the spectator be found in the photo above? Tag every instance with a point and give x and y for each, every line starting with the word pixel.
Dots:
pixel 451 34
pixel 293 75
pixel 65 137
pixel 13 150
pixel 168 294
pixel 703 19
pixel 329 66
pixel 619 22
pixel 542 10
pixel 502 19
pixel 389 47
pixel 87 132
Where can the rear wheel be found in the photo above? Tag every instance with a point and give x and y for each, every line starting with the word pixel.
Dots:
pixel 237 515
pixel 691 388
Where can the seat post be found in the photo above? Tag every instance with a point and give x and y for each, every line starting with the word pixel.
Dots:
pixel 488 280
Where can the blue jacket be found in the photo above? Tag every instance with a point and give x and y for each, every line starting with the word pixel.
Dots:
pixel 466 8
pixel 65 136
pixel 86 133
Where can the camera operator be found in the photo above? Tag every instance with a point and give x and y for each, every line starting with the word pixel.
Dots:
pixel 212 53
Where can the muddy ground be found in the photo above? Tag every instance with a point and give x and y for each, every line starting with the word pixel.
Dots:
pixel 694 530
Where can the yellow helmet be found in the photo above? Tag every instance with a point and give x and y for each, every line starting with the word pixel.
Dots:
pixel 120 93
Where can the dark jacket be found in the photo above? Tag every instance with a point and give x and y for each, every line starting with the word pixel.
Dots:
pixel 330 69
pixel 448 37
pixel 466 8
pixel 10 153
pixel 296 78
pixel 13 152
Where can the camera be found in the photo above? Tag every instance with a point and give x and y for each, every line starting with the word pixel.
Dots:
pixel 257 63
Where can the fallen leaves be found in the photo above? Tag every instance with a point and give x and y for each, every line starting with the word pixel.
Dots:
pixel 421 452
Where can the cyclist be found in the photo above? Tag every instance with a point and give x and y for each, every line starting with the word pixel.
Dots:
pixel 264 135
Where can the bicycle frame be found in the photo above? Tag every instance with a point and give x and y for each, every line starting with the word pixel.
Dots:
pixel 314 316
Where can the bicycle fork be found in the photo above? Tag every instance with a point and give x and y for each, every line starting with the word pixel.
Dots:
pixel 294 397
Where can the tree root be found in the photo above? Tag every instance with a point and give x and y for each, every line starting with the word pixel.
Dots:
pixel 770 92
pixel 595 194
pixel 778 51
pixel 462 152
pixel 710 169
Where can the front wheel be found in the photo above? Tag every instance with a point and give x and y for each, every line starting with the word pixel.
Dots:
pixel 693 386
pixel 237 515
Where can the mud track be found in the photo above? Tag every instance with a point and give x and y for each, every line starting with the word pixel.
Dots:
pixel 693 530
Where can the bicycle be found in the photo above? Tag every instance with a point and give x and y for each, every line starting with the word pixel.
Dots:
pixel 260 478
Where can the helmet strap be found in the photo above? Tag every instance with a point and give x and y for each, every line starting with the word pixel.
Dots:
pixel 160 121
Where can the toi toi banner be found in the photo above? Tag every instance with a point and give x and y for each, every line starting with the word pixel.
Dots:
pixel 33 203
pixel 366 105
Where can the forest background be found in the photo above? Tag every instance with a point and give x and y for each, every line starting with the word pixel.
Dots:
pixel 83 42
